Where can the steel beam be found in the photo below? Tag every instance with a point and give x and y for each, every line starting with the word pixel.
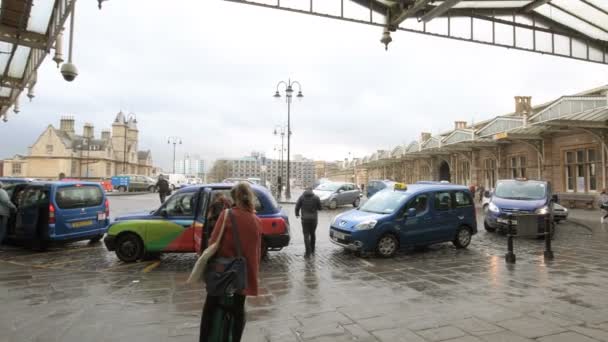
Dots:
pixel 409 12
pixel 533 5
pixel 439 10
pixel 26 38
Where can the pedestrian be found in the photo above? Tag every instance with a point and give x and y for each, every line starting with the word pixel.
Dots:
pixel 219 202
pixel 603 204
pixel 472 189
pixel 224 316
pixel 163 188
pixel 363 188
pixel 309 204
pixel 481 193
pixel 6 209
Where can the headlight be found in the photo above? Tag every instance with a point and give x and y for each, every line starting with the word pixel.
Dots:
pixel 493 208
pixel 333 222
pixel 542 211
pixel 366 225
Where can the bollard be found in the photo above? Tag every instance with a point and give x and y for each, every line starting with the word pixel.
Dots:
pixel 510 256
pixel 548 252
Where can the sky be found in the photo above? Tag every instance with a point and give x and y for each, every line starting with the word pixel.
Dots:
pixel 206 71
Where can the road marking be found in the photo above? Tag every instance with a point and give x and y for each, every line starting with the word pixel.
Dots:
pixel 367 263
pixel 151 266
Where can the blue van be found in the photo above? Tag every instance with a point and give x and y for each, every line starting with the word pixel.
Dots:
pixel 407 216
pixel 519 196
pixel 12 180
pixel 50 212
pixel 378 185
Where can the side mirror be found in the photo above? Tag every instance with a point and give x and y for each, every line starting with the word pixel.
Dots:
pixel 163 213
pixel 339 191
pixel 411 212
pixel 554 198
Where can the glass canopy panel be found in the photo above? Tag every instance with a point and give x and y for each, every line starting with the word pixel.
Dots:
pixel 492 4
pixel 19 62
pixel 40 16
pixel 5 54
pixel 602 4
pixel 5 92
pixel 572 22
pixel 584 11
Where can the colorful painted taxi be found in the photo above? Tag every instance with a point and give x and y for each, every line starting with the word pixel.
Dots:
pixel 179 225
pixel 408 216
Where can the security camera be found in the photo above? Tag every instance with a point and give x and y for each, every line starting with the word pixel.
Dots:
pixel 69 71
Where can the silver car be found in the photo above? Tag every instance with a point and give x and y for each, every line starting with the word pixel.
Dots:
pixel 334 194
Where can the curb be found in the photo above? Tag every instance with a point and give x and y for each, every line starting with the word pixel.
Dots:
pixel 128 193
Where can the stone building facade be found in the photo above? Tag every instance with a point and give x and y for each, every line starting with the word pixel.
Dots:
pixel 61 153
pixel 564 141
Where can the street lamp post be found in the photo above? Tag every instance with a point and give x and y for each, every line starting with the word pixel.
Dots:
pixel 288 96
pixel 174 140
pixel 280 130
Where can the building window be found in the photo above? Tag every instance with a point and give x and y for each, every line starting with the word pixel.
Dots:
pixel 16 168
pixel 108 169
pixel 489 172
pixel 465 172
pixel 518 166
pixel 581 170
pixel 49 149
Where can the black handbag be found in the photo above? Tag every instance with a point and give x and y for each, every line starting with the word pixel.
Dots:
pixel 227 275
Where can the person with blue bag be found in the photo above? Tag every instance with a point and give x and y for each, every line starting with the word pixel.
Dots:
pixel 230 268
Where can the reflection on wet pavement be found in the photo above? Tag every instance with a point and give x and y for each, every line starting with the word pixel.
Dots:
pixel 83 292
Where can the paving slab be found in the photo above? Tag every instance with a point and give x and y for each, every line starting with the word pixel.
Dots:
pixel 531 327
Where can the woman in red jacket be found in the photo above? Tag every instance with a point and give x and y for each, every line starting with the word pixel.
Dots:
pixel 249 228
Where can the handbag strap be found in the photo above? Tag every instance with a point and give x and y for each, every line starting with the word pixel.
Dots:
pixel 235 235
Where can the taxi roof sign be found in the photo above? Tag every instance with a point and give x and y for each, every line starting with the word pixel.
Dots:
pixel 400 186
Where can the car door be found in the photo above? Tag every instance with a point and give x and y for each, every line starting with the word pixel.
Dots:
pixel 201 232
pixel 28 212
pixel 443 216
pixel 173 232
pixel 342 196
pixel 464 213
pixel 413 229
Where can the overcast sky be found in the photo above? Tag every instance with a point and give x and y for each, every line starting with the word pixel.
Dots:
pixel 206 71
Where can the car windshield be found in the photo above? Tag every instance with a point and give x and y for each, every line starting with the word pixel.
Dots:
pixel 521 190
pixel 385 202
pixel 329 187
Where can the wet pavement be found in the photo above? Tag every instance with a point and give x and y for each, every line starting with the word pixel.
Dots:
pixel 83 293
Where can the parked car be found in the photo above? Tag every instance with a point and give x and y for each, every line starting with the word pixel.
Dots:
pixel 179 225
pixel 513 197
pixel 138 183
pixel 560 213
pixel 334 194
pixel 236 180
pixel 378 185
pixel 12 180
pixel 55 212
pixel 176 180
pixel 407 216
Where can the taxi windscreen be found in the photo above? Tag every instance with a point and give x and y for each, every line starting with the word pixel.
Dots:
pixel 385 202
pixel 521 190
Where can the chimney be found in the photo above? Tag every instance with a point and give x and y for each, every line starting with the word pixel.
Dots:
pixel 424 136
pixel 460 124
pixel 67 124
pixel 523 105
pixel 105 134
pixel 88 131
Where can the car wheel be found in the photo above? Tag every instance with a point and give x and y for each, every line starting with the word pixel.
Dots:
pixel 96 238
pixel 39 245
pixel 557 220
pixel 357 202
pixel 151 188
pixel 122 189
pixel 463 237
pixel 129 247
pixel 484 209
pixel 264 251
pixel 387 246
pixel 333 204
pixel 488 228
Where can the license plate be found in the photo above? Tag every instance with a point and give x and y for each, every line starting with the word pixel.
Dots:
pixel 339 235
pixel 101 216
pixel 506 221
pixel 80 224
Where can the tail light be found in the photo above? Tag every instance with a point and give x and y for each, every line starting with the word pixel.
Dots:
pixel 51 214
pixel 107 208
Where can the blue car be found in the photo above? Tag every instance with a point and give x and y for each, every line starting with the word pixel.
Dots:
pixel 11 180
pixel 378 185
pixel 513 197
pixel 407 216
pixel 56 212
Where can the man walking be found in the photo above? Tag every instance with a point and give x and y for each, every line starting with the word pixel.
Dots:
pixel 163 188
pixel 6 208
pixel 309 204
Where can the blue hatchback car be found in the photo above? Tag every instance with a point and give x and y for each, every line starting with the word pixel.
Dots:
pixel 408 216
pixel 50 212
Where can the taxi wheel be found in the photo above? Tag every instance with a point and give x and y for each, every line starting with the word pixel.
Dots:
pixel 151 188
pixel 357 202
pixel 463 237
pixel 488 228
pixel 387 246
pixel 122 189
pixel 333 204
pixel 129 247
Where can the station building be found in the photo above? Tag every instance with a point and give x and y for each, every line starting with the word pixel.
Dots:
pixel 563 141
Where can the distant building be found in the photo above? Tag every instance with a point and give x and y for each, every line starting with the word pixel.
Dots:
pixel 190 166
pixel 61 153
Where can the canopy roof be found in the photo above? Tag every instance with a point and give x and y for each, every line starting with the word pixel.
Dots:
pixel 28 30
pixel 570 28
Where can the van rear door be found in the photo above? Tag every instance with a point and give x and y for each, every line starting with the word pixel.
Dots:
pixel 79 209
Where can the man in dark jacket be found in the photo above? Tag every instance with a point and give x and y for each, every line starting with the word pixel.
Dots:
pixel 6 209
pixel 309 204
pixel 163 188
